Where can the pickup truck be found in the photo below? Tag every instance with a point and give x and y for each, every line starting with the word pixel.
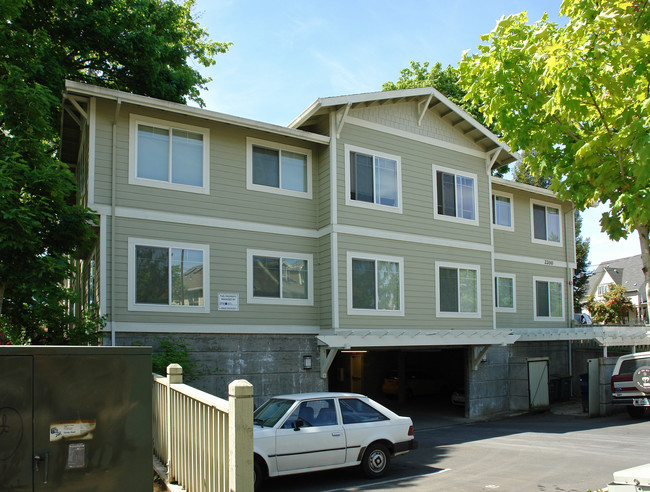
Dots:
pixel 631 383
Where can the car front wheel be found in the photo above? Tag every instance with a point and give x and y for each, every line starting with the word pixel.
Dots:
pixel 376 461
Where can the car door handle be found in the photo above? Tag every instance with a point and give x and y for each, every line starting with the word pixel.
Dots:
pixel 336 434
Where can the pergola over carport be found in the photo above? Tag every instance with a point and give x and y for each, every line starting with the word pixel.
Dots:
pixel 481 340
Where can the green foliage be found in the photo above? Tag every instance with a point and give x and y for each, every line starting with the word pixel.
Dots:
pixel 575 99
pixel 615 309
pixel 581 274
pixel 173 350
pixel 142 46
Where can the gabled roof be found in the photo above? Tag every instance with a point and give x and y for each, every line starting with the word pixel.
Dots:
pixel 79 88
pixel 432 99
pixel 623 271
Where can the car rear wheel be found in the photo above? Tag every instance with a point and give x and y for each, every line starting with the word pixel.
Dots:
pixel 259 474
pixel 635 412
pixel 375 461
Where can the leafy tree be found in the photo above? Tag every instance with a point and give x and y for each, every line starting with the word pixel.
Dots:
pixel 142 46
pixel 581 274
pixel 576 100
pixel 615 309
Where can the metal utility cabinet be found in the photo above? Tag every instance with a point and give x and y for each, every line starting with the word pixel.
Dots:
pixel 75 418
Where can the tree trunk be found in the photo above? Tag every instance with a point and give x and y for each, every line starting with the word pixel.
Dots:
pixel 644 239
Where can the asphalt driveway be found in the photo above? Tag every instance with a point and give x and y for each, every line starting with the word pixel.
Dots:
pixel 562 451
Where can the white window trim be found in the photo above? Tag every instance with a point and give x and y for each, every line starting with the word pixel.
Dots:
pixel 510 228
pixel 373 206
pixel 134 120
pixel 449 218
pixel 547 279
pixel 251 299
pixel 375 312
pixel 532 223
pixel 250 142
pixel 513 309
pixel 448 314
pixel 133 306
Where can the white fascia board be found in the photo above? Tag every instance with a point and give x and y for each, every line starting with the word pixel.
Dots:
pixel 150 102
pixel 524 187
pixel 415 338
pixel 399 94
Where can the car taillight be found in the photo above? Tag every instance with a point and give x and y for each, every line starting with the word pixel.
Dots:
pixel 411 431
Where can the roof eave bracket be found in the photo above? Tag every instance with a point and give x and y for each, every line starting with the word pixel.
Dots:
pixel 340 116
pixel 424 106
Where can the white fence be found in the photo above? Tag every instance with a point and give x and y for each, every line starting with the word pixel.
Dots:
pixel 205 442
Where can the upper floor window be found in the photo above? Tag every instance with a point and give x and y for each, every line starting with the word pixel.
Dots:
pixel 168 155
pixel 502 211
pixel 280 278
pixel 166 276
pixel 375 285
pixel 549 299
pixel 546 223
pixel 457 290
pixel 504 292
pixel 455 195
pixel 278 168
pixel 602 288
pixel 373 179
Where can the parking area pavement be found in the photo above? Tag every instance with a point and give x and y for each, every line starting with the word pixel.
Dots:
pixel 560 450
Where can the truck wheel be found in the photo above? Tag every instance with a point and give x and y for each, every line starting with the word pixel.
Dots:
pixel 375 461
pixel 635 412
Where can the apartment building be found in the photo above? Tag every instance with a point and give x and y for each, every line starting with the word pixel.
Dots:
pixel 367 237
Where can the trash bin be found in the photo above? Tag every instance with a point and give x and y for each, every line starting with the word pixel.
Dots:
pixel 584 391
pixel 553 389
pixel 565 388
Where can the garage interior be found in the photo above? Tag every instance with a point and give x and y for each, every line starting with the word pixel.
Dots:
pixel 417 378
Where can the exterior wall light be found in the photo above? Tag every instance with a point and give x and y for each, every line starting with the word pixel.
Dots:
pixel 306 361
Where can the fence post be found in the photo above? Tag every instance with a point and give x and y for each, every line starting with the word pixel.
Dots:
pixel 240 435
pixel 174 376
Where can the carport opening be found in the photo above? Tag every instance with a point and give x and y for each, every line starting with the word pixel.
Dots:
pixel 430 378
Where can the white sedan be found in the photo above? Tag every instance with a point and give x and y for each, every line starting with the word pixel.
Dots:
pixel 320 431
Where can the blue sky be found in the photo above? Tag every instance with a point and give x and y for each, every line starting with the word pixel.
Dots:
pixel 286 54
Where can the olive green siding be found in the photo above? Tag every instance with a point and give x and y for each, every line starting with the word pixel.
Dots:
pixel 519 241
pixel 228 197
pixel 227 273
pixel 417 160
pixel 419 285
pixel 258 220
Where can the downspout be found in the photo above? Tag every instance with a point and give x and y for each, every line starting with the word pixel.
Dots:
pixel 118 106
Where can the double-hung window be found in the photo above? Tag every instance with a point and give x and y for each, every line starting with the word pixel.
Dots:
pixel 168 276
pixel 504 292
pixel 168 155
pixel 455 195
pixel 548 294
pixel 502 211
pixel 375 284
pixel 280 278
pixel 458 292
pixel 373 179
pixel 546 224
pixel 278 168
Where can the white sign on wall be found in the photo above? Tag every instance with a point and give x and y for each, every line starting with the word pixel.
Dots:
pixel 228 302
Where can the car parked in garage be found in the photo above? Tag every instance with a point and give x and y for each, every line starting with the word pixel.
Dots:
pixel 320 431
pixel 631 383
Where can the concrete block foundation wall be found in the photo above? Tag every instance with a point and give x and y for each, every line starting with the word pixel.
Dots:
pixel 273 364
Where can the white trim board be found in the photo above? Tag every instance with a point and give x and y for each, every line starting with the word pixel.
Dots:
pixel 135 327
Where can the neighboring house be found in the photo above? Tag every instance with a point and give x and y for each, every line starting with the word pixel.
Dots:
pixel 367 236
pixel 627 272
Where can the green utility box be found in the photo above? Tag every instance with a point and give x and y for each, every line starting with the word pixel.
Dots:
pixel 75 418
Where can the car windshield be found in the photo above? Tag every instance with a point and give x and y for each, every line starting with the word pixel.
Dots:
pixel 271 411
